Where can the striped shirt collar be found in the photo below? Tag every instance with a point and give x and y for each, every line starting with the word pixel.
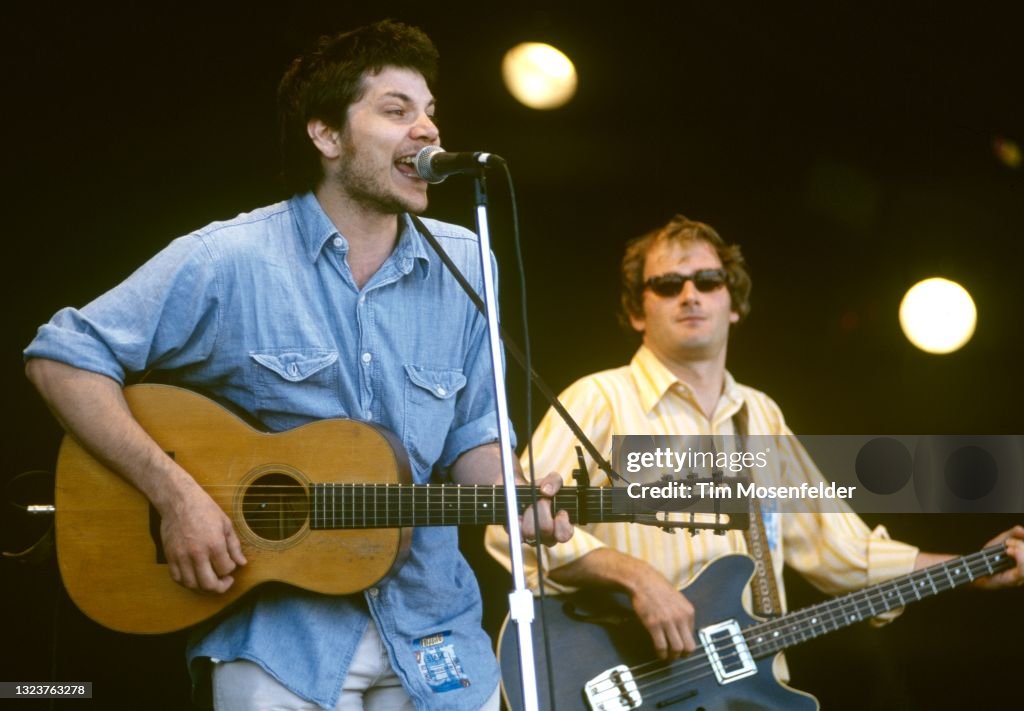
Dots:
pixel 654 380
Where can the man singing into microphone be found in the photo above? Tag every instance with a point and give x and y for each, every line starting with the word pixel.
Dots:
pixel 329 304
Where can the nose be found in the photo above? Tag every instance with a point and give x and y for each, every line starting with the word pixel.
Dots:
pixel 426 130
pixel 690 294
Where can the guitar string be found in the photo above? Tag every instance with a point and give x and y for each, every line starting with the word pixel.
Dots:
pixel 979 562
pixel 757 650
pixel 425 499
pixel 982 563
pixel 911 582
pixel 371 498
pixel 371 502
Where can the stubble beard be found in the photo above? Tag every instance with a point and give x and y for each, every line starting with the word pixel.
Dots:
pixel 359 182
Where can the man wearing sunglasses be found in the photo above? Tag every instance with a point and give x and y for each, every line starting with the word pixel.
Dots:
pixel 683 288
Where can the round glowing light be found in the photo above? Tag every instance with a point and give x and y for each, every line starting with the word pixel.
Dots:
pixel 938 315
pixel 538 75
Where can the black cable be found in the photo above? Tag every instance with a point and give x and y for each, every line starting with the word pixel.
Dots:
pixel 529 430
pixel 517 355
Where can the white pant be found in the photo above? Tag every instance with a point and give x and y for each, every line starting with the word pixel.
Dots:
pixel 371 685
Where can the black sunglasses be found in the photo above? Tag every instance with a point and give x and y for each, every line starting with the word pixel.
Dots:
pixel 670 284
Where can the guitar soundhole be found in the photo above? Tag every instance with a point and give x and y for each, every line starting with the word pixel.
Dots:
pixel 275 506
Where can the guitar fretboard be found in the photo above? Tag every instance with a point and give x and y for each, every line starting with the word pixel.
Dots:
pixel 335 506
pixel 775 635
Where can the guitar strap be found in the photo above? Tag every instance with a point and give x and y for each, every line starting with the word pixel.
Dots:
pixel 517 355
pixel 763 586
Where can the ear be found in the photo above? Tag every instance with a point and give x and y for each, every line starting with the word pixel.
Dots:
pixel 326 139
pixel 638 323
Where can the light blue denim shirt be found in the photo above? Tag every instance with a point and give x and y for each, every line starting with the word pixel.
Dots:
pixel 262 311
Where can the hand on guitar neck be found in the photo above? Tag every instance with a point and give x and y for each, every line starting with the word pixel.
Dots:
pixel 482 465
pixel 1014 540
pixel 329 507
pixel 668 616
pixel 1014 577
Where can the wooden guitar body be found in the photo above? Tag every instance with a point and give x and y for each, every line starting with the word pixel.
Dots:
pixel 108 535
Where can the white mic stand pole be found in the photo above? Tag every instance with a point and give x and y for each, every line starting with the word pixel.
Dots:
pixel 520 599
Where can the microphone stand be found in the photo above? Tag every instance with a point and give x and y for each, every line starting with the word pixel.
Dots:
pixel 520 599
pixel 521 605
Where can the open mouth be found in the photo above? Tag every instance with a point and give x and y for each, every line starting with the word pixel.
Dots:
pixel 406 165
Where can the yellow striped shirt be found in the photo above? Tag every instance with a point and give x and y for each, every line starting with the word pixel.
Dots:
pixel 835 551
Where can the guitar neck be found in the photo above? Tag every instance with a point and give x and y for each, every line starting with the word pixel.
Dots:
pixel 775 635
pixel 342 506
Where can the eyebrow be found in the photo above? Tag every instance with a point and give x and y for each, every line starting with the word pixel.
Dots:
pixel 406 98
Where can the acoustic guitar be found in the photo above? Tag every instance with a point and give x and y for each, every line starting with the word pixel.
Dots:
pixel 327 507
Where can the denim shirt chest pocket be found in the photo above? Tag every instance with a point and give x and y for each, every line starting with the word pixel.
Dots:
pixel 429 411
pixel 295 385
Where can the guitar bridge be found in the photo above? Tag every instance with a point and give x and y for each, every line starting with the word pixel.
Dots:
pixel 727 651
pixel 613 690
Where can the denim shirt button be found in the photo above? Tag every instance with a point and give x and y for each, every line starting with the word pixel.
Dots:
pixel 441 391
pixel 338 241
pixel 374 592
pixel 367 357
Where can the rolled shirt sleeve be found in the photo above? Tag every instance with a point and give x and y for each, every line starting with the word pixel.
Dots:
pixel 163 316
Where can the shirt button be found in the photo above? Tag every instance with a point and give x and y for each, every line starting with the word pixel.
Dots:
pixel 338 241
pixel 362 299
pixel 374 592
pixel 441 391
pixel 367 357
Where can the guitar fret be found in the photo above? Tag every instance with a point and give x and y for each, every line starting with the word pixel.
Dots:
pixel 775 635
pixel 870 606
pixel 945 569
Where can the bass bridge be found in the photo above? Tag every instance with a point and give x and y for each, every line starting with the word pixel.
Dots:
pixel 613 690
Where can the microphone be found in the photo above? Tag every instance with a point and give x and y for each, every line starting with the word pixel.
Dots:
pixel 434 163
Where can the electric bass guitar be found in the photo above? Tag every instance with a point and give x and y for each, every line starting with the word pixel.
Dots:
pixel 732 666
pixel 327 507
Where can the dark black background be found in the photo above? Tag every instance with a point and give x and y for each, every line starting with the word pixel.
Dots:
pixel 846 146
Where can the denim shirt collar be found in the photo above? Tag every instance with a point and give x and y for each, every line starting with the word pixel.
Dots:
pixel 316 229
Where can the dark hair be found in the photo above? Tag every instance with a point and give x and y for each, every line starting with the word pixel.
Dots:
pixel 323 82
pixel 681 230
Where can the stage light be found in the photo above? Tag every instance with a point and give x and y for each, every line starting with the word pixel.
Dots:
pixel 538 75
pixel 1007 151
pixel 938 315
